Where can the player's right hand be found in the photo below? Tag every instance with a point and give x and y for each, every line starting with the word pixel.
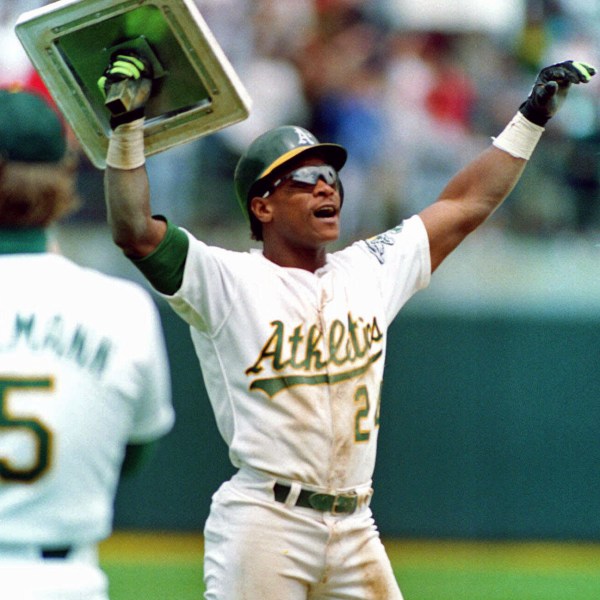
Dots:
pixel 133 69
pixel 550 89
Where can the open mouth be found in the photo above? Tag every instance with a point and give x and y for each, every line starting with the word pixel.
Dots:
pixel 325 212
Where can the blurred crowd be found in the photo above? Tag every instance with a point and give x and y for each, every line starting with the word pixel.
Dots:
pixel 413 89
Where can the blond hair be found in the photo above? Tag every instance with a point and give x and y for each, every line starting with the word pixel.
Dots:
pixel 37 194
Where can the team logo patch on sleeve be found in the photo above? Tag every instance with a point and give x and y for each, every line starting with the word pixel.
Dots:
pixel 378 244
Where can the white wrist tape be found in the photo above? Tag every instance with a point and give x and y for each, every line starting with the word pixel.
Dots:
pixel 519 138
pixel 126 146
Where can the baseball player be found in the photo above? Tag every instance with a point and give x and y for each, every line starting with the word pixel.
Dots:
pixel 291 340
pixel 84 382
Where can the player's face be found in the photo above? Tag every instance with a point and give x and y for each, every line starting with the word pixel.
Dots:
pixel 305 205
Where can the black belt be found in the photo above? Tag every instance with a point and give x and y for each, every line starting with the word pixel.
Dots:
pixel 336 504
pixel 56 553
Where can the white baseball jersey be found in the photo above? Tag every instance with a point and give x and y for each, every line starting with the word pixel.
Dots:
pixel 83 372
pixel 293 361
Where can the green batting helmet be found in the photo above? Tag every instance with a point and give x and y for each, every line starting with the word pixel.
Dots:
pixel 274 148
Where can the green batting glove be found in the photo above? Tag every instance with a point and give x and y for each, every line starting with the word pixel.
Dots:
pixel 550 89
pixel 127 69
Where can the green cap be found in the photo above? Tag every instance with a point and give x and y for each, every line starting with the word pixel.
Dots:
pixel 30 129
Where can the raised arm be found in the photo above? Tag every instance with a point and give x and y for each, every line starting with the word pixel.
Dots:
pixel 126 186
pixel 468 200
pixel 476 191
pixel 128 211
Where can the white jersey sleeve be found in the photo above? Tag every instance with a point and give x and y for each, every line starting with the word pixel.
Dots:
pixel 154 415
pixel 210 285
pixel 401 262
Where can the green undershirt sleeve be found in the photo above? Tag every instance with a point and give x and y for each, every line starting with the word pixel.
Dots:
pixel 136 455
pixel 164 266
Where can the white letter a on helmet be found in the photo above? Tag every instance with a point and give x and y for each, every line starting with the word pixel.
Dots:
pixel 304 138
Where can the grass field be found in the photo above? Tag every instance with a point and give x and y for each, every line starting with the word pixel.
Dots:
pixel 169 567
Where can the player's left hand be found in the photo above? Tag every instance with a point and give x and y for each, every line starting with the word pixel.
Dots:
pixel 130 69
pixel 550 89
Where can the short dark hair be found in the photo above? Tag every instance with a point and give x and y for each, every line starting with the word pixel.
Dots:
pixel 258 189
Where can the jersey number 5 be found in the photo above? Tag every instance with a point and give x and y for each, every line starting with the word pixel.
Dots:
pixel 41 435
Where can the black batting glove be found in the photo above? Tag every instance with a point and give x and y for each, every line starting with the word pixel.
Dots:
pixel 132 68
pixel 550 89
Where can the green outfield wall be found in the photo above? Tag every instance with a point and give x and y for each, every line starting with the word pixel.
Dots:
pixel 490 429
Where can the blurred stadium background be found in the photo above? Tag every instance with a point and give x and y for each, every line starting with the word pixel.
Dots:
pixel 488 477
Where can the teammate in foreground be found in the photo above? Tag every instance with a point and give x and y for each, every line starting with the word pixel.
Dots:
pixel 291 340
pixel 84 381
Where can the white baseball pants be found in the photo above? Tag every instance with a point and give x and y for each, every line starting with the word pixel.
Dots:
pixel 256 547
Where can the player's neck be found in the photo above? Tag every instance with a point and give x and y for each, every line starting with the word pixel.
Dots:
pixel 308 259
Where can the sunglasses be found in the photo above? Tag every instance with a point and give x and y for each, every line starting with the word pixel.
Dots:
pixel 308 177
